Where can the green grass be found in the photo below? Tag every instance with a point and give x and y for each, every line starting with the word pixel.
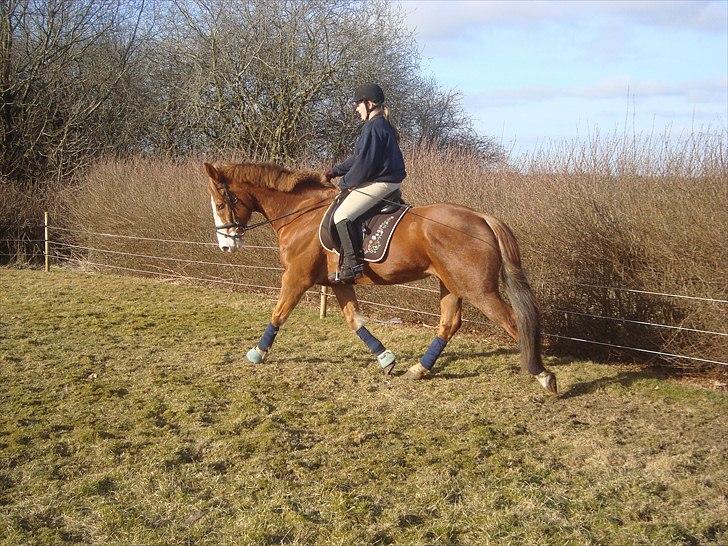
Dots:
pixel 129 415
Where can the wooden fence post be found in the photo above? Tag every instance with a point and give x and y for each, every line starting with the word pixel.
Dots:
pixel 324 301
pixel 47 242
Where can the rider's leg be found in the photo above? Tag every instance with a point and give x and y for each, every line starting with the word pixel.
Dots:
pixel 350 249
pixel 357 202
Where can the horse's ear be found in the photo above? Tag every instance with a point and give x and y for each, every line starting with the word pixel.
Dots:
pixel 212 172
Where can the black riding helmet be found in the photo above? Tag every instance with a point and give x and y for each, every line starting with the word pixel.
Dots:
pixel 369 91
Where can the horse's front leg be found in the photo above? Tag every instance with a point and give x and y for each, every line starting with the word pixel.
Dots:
pixel 292 288
pixel 346 297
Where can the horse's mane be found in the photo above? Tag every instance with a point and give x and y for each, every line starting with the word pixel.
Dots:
pixel 270 175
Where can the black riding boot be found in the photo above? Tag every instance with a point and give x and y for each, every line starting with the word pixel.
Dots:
pixel 350 269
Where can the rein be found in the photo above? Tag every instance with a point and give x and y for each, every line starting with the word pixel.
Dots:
pixel 231 199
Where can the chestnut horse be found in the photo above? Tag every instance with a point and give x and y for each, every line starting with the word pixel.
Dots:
pixel 466 250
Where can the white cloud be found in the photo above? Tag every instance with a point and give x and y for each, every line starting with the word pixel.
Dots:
pixel 446 20
pixel 712 90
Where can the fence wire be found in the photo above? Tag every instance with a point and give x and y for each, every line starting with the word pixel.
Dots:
pixel 169 258
pixel 713 300
pixel 367 302
pixel 171 275
pixel 139 238
pixel 181 241
pixel 637 349
pixel 376 304
pixel 655 324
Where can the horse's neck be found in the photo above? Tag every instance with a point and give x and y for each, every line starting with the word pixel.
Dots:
pixel 276 204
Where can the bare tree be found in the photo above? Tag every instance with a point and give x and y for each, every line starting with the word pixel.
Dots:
pixel 269 80
pixel 274 79
pixel 255 77
pixel 60 62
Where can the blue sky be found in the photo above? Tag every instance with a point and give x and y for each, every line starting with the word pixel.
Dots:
pixel 531 72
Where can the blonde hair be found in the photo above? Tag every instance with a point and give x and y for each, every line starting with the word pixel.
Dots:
pixel 385 115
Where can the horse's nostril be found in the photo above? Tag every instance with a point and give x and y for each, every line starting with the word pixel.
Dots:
pixel 225 248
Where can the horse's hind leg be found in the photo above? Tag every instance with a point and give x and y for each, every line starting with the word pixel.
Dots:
pixel 497 310
pixel 492 305
pixel 450 321
pixel 346 296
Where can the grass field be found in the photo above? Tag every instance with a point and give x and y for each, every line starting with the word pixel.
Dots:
pixel 129 415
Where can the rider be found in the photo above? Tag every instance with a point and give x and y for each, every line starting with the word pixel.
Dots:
pixel 372 172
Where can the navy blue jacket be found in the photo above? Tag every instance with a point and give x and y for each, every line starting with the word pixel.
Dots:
pixel 376 157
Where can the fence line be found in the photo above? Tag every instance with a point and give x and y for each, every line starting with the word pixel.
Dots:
pixel 640 322
pixel 408 287
pixel 139 238
pixel 637 349
pixel 181 241
pixel 714 300
pixel 417 311
pixel 172 275
pixel 183 260
pixel 15 254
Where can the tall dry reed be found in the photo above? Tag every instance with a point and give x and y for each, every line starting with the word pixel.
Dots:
pixel 620 216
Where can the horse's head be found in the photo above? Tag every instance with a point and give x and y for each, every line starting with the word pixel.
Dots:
pixel 229 208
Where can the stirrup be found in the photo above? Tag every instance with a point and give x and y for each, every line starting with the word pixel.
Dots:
pixel 355 272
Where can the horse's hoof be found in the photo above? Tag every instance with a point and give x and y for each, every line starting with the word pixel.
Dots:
pixel 386 361
pixel 548 381
pixel 416 372
pixel 255 356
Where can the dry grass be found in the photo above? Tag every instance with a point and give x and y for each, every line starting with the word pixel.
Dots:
pixel 612 212
pixel 129 415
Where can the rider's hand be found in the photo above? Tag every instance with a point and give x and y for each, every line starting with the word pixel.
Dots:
pixel 328 175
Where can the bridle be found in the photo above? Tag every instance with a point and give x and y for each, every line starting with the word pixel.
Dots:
pixel 231 199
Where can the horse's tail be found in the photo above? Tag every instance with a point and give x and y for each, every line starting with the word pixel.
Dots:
pixel 528 318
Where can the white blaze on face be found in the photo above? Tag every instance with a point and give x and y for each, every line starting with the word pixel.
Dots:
pixel 225 242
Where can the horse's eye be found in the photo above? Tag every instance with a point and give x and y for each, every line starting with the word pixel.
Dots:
pixel 220 206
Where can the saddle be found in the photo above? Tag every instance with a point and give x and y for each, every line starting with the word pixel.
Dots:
pixel 375 227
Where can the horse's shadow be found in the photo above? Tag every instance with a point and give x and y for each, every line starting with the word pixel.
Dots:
pixel 308 360
pixel 447 359
pixel 624 379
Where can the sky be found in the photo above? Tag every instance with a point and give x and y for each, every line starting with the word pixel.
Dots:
pixel 533 72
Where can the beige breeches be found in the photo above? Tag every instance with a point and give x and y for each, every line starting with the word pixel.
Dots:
pixel 362 198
